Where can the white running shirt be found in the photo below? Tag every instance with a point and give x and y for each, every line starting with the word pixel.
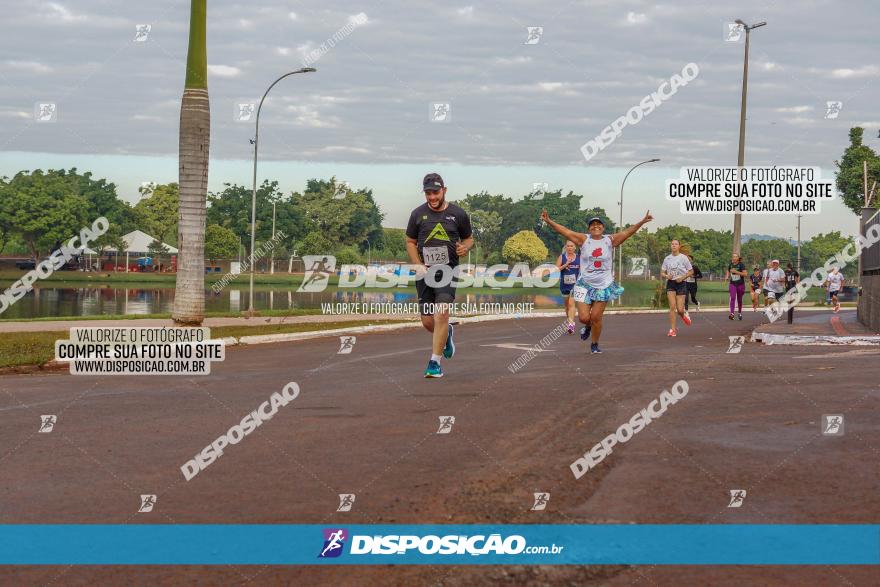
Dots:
pixel 770 277
pixel 596 257
pixel 834 281
pixel 676 266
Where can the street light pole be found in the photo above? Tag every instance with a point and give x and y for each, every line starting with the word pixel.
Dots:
pixel 620 225
pixel 254 192
pixel 798 268
pixel 272 259
pixel 737 217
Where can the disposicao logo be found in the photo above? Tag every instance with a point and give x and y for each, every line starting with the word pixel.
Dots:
pixel 334 542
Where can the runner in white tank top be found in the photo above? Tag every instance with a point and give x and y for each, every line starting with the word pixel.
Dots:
pixel 595 286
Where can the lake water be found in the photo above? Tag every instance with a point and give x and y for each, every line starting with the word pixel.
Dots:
pixel 108 299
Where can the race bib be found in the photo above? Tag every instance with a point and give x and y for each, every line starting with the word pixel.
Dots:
pixel 569 279
pixel 771 295
pixel 579 293
pixel 435 255
pixel 735 277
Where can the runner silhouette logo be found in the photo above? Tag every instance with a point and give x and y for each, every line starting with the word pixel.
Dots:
pixel 334 542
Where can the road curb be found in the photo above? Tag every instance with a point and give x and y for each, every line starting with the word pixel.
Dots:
pixel 295 336
pixel 814 340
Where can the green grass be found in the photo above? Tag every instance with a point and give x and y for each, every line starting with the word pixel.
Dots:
pixel 28 348
pixel 165 316
pixel 19 349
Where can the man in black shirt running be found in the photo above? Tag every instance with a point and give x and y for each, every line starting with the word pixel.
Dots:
pixel 437 234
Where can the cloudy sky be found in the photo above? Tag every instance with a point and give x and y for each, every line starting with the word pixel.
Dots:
pixel 519 112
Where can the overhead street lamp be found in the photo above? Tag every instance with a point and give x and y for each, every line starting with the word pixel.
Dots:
pixel 737 217
pixel 620 248
pixel 256 142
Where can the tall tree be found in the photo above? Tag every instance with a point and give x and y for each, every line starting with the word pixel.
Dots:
pixel 43 210
pixel 158 210
pixel 231 208
pixel 850 172
pixel 195 137
pixel 220 243
pixel 349 217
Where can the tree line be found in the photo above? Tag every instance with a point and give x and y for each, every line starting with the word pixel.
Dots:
pixel 38 210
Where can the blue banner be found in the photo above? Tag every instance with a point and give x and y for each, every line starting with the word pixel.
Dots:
pixel 521 544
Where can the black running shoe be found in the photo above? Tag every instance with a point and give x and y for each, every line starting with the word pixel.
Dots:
pixel 585 332
pixel 594 348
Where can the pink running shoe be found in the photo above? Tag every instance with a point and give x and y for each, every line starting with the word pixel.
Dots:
pixel 686 318
pixel 671 333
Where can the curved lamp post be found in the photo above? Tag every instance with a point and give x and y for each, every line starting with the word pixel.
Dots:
pixel 620 248
pixel 254 192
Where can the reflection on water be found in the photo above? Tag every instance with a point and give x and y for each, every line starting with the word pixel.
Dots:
pixel 94 301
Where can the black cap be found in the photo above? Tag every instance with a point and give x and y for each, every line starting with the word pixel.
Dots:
pixel 595 219
pixel 432 181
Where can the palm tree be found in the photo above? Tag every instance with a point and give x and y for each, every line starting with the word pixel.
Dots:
pixel 195 137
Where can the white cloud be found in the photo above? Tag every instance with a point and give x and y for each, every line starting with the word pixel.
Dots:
pixel 147 118
pixel 31 66
pixel 223 70
pixel 552 86
pixel 636 17
pixel 345 149
pixel 518 60
pixel 359 19
pixel 466 12
pixel 16 114
pixel 61 12
pixel 292 15
pixel 245 23
pixel 310 116
pixel 794 109
pixel 283 50
pixel 865 71
pixel 801 121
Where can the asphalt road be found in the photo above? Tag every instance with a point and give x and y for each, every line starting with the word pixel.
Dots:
pixel 366 423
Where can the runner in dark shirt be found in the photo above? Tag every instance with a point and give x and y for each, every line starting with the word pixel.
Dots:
pixel 437 235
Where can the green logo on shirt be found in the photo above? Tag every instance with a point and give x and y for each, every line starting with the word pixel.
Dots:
pixel 438 233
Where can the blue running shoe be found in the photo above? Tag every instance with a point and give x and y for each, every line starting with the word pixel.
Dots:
pixel 449 349
pixel 585 332
pixel 433 370
pixel 594 348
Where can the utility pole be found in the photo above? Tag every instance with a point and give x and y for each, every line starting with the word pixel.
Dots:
pixel 737 217
pixel 798 268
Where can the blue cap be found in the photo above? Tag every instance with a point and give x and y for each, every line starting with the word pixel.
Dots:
pixel 595 219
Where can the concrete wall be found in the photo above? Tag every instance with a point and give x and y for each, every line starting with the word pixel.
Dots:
pixel 869 302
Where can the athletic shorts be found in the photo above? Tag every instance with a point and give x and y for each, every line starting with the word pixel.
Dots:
pixel 588 294
pixel 833 292
pixel 433 295
pixel 680 289
pixel 566 291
